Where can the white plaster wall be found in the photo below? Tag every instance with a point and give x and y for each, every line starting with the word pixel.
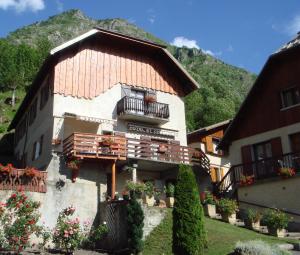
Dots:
pixel 104 107
pixel 235 148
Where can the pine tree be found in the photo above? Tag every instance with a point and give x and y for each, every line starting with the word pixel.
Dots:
pixel 135 223
pixel 189 236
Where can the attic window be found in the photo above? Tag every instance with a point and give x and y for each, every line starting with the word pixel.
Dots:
pixel 290 97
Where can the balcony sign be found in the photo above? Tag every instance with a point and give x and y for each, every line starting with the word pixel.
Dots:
pixel 151 130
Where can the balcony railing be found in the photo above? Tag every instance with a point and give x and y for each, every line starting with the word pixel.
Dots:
pixel 258 170
pixel 136 106
pixel 82 145
pixel 95 146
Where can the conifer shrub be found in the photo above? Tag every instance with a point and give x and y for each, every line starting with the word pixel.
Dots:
pixel 135 223
pixel 189 236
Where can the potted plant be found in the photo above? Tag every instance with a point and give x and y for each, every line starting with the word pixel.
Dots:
pixel 107 141
pixel 228 209
pixel 125 195
pixel 149 194
pixel 74 165
pixel 286 172
pixel 246 180
pixel 169 190
pixel 149 98
pixel 209 204
pixel 162 148
pixel 157 194
pixel 276 221
pixel 135 189
pixel 252 219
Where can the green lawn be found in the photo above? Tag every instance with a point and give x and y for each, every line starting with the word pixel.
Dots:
pixel 221 237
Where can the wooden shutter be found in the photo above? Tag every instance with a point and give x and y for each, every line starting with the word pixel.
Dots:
pixel 246 154
pixel 276 147
pixel 209 144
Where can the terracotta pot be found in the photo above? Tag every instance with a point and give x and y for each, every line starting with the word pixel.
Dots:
pixel 170 202
pixel 210 210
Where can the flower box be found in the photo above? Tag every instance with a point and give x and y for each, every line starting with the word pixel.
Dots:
pixel 246 180
pixel 286 172
pixel 210 210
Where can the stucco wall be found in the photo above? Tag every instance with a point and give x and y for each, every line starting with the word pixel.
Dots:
pixel 104 107
pixel 278 193
pixel 235 148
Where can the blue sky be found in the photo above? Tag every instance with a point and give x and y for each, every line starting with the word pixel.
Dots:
pixel 241 33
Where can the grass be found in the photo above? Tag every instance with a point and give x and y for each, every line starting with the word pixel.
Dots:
pixel 221 237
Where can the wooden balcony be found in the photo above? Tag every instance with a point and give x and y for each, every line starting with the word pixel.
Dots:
pixel 82 146
pixel 131 108
pixel 257 170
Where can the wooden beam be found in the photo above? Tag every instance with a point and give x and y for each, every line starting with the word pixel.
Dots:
pixel 113 179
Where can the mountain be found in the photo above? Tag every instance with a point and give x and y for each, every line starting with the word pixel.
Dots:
pixel 223 86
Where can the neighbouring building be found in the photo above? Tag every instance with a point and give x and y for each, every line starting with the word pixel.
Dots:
pixel 206 139
pixel 264 137
pixel 113 102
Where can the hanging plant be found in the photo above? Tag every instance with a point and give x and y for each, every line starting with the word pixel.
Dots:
pixel 74 164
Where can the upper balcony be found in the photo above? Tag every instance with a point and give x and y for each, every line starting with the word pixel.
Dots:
pixel 136 109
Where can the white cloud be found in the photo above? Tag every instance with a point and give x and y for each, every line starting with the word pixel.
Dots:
pixel 293 27
pixel 151 15
pixel 181 41
pixel 22 5
pixel 59 5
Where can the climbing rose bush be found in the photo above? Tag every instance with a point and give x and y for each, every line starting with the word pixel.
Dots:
pixel 19 217
pixel 67 233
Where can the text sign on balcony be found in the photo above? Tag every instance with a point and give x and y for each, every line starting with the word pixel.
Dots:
pixel 151 130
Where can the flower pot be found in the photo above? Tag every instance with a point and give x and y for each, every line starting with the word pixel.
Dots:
pixel 170 202
pixel 229 218
pixel 276 232
pixel 150 201
pixel 75 173
pixel 210 210
pixel 252 225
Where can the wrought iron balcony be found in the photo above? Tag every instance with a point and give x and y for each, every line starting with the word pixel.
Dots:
pixel 139 109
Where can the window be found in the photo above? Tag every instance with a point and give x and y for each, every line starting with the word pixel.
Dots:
pixel 44 95
pixel 290 97
pixel 37 148
pixel 295 142
pixel 262 151
pixel 215 142
pixel 32 112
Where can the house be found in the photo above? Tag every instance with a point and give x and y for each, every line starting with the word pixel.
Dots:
pixel 264 137
pixel 113 106
pixel 206 139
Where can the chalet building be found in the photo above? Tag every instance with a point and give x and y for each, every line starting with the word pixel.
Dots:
pixel 264 137
pixel 206 139
pixel 112 102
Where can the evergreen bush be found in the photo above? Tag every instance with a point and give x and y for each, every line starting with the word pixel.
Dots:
pixel 135 223
pixel 189 236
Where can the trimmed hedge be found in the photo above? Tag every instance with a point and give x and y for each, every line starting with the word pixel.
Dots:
pixel 189 236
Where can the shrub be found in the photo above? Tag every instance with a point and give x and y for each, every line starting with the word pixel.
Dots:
pixel 135 222
pixel 19 221
pixel 208 198
pixel 274 218
pixel 169 190
pixel 253 216
pixel 257 247
pixel 189 236
pixel 93 234
pixel 67 232
pixel 227 206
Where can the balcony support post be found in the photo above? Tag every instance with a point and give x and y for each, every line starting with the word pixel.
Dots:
pixel 113 179
pixel 133 173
